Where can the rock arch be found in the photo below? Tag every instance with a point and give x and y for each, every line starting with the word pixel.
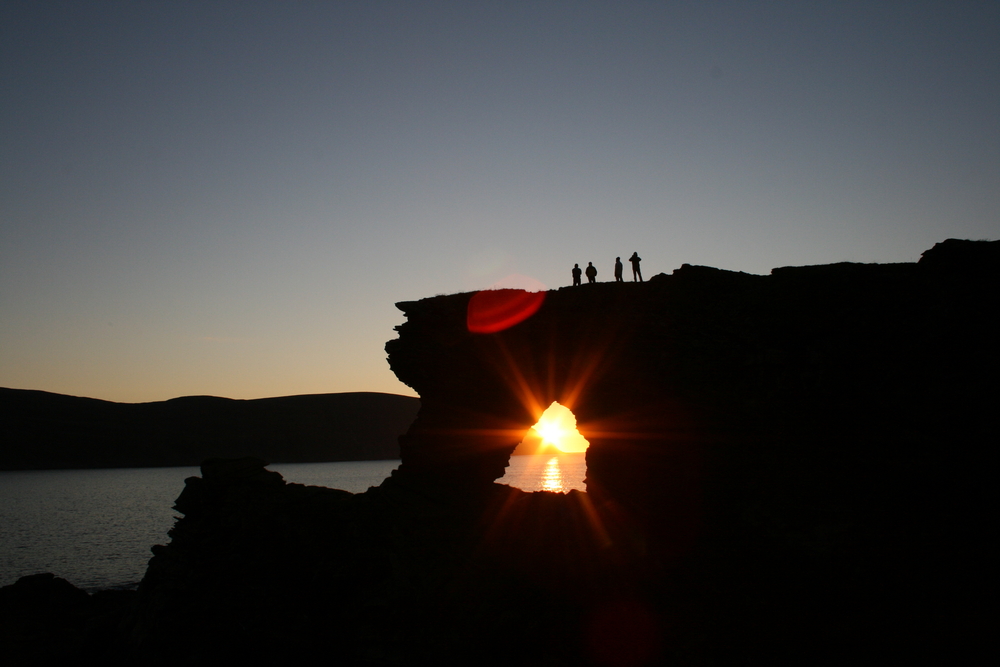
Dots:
pixel 699 389
pixel 772 459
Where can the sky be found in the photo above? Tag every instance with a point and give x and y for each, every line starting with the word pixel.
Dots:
pixel 228 198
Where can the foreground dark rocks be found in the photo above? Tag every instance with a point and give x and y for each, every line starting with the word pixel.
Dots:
pixel 45 620
pixel 260 571
pixel 784 469
pixel 267 570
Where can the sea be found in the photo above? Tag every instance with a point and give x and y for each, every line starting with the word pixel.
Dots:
pixel 95 528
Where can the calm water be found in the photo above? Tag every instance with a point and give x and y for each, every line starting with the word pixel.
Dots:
pixel 95 527
pixel 547 473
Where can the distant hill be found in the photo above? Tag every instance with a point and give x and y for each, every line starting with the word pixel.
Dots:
pixel 41 430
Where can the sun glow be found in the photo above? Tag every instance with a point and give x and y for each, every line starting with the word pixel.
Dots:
pixel 556 428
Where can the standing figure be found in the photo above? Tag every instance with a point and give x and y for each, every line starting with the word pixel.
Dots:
pixel 576 274
pixel 591 273
pixel 618 269
pixel 636 273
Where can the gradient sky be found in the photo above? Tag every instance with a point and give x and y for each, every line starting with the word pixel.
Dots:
pixel 228 198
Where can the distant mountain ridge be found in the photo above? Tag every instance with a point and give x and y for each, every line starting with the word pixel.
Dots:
pixel 41 430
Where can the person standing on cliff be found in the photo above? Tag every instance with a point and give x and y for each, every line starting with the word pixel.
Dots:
pixel 636 273
pixel 576 274
pixel 618 269
pixel 591 273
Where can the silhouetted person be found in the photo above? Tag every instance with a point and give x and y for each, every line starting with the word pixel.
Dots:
pixel 576 274
pixel 618 269
pixel 636 273
pixel 591 273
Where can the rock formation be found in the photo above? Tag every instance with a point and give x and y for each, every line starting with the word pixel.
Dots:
pixel 799 449
pixel 784 469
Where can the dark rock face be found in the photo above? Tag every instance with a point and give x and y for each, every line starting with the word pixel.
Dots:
pixel 45 620
pixel 795 451
pixel 259 570
pixel 784 469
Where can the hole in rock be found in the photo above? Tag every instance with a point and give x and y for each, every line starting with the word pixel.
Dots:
pixel 552 455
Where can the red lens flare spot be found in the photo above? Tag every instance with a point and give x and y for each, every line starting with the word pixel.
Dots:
pixel 495 310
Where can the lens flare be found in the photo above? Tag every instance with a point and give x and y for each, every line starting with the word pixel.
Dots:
pixel 491 311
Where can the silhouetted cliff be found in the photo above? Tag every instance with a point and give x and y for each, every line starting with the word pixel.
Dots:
pixel 799 449
pixel 784 469
pixel 52 431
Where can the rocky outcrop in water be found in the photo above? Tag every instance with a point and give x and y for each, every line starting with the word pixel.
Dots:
pixel 45 620
pixel 783 469
pixel 801 453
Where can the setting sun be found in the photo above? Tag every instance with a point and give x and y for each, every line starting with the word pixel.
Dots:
pixel 557 428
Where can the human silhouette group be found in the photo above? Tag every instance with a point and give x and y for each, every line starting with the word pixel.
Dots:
pixel 591 270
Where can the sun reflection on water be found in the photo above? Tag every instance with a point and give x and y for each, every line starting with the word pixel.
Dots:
pixel 552 476
pixel 560 473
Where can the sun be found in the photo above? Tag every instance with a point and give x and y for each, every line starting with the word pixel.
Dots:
pixel 557 428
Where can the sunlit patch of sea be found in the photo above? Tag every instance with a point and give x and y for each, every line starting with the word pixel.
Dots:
pixel 547 472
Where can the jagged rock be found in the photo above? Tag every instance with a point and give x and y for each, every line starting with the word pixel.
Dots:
pixel 43 593
pixel 45 620
pixel 783 469
pixel 797 448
